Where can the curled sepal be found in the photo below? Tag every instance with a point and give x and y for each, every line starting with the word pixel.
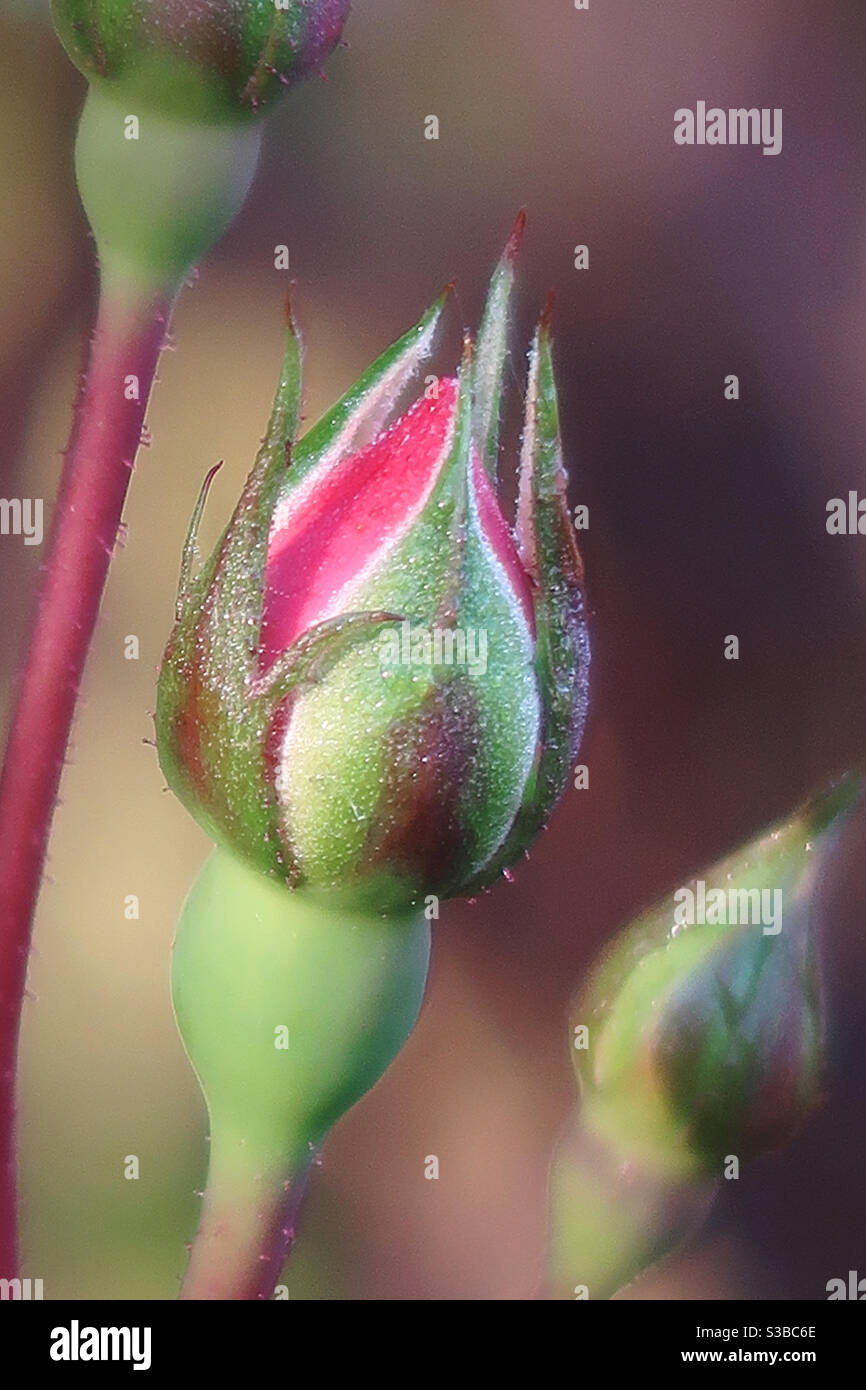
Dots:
pixel 222 768
pixel 315 653
pixel 190 548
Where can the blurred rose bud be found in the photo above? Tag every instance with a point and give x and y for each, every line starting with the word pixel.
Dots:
pixel 372 686
pixel 199 58
pixel 704 1026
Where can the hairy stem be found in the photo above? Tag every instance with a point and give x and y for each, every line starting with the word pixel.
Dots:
pixel 105 438
pixel 290 1006
pixel 246 1230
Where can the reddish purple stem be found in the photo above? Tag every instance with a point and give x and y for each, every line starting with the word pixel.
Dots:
pixel 99 461
pixel 246 1232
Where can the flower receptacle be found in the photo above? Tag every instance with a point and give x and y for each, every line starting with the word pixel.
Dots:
pixel 157 202
pixel 289 1010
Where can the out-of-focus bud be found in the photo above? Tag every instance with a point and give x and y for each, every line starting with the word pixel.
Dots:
pixel 704 1021
pixel 372 687
pixel 201 59
pixel 698 1044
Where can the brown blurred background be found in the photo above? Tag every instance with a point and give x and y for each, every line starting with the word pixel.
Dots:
pixel 706 518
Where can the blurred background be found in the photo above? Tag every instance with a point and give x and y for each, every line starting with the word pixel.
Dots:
pixel 707 518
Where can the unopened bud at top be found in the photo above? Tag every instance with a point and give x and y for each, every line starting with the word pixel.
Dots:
pixel 203 59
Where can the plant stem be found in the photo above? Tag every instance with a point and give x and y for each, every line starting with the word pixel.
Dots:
pixel 290 1006
pixel 105 438
pixel 613 1216
pixel 246 1230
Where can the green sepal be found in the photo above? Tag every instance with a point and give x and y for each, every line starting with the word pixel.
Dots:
pixel 352 813
pixel 550 555
pixel 549 551
pixel 366 405
pixel 447 507
pixel 226 600
pixel 190 554
pixel 492 352
pixel 315 653
pixel 216 711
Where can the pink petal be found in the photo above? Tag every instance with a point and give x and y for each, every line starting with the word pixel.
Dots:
pixel 344 523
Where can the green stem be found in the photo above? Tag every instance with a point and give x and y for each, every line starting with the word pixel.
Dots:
pixel 247 1226
pixel 612 1217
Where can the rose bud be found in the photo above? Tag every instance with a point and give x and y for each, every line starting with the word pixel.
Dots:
pixel 372 695
pixel 698 1044
pixel 372 686
pixel 215 58
pixel 169 139
pixel 704 1023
